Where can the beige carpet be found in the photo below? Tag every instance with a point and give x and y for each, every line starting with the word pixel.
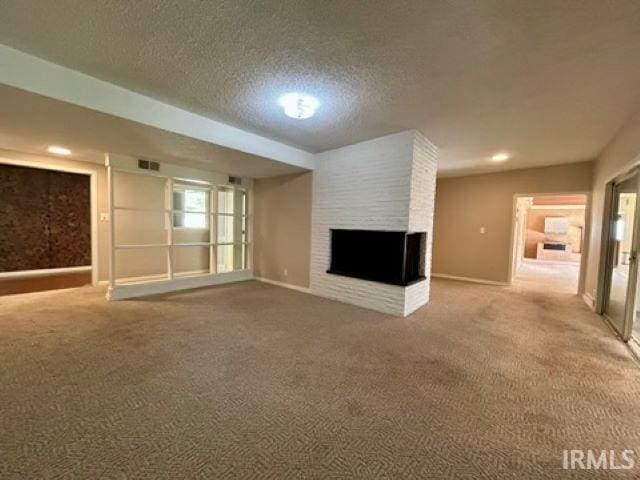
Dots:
pixel 547 276
pixel 255 381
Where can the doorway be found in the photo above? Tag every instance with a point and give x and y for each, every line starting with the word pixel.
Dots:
pixel 548 245
pixel 619 281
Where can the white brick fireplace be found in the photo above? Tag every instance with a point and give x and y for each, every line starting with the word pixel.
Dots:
pixel 383 184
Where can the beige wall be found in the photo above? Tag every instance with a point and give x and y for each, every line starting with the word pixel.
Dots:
pixel 282 228
pixel 465 204
pixel 100 171
pixel 622 153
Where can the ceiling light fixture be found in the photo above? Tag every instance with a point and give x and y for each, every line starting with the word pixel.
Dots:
pixel 58 150
pixel 299 105
pixel 501 157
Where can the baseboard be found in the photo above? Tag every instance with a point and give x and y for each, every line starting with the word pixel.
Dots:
pixel 469 279
pixel 47 272
pixel 588 299
pixel 283 284
pixel 121 292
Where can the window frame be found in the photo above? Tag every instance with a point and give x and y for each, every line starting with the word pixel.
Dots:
pixel 207 209
pixel 244 226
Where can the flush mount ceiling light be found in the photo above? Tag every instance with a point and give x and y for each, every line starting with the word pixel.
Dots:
pixel 299 105
pixel 58 150
pixel 501 157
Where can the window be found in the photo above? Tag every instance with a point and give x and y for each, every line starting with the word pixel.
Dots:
pixel 191 210
pixel 231 229
pixel 190 207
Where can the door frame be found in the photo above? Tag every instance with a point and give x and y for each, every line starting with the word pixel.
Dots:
pixel 604 280
pixel 93 195
pixel 586 233
pixel 517 236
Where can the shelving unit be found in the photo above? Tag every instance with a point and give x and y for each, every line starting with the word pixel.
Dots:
pixel 136 226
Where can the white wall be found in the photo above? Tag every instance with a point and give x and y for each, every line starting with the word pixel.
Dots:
pixel 382 184
pixel 421 212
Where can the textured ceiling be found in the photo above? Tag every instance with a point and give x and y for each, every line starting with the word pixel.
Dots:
pixel 549 80
pixel 30 123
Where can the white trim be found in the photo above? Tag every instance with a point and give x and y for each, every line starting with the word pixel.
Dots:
pixel 470 279
pixel 213 229
pixel 112 220
pixel 588 299
pixel 46 166
pixel 33 74
pixel 168 199
pixel 141 246
pixel 159 277
pixel 94 228
pixel 93 195
pixel 45 272
pixel 283 284
pixel 121 292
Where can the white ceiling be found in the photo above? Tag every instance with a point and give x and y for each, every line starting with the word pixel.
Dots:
pixel 550 81
pixel 30 123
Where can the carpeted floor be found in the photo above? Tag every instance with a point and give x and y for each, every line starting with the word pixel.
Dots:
pixel 548 276
pixel 254 381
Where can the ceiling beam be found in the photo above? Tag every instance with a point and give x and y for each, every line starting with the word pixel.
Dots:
pixel 20 70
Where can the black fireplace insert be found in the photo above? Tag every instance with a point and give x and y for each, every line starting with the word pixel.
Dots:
pixel 392 257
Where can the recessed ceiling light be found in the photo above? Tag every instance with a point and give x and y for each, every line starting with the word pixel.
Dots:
pixel 299 105
pixel 501 157
pixel 58 150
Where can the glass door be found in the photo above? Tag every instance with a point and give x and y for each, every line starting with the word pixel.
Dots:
pixel 621 273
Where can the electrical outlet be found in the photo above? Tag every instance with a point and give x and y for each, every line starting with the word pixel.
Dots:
pixel 286 272
pixel 483 230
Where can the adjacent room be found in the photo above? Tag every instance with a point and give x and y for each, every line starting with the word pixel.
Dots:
pixel 549 234
pixel 300 239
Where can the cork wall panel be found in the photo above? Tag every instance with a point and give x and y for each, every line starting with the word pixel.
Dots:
pixel 69 220
pixel 45 219
pixel 23 220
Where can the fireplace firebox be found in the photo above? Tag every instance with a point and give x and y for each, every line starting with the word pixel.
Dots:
pixel 392 257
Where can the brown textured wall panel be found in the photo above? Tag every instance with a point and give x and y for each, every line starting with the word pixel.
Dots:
pixel 69 220
pixel 23 219
pixel 45 219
